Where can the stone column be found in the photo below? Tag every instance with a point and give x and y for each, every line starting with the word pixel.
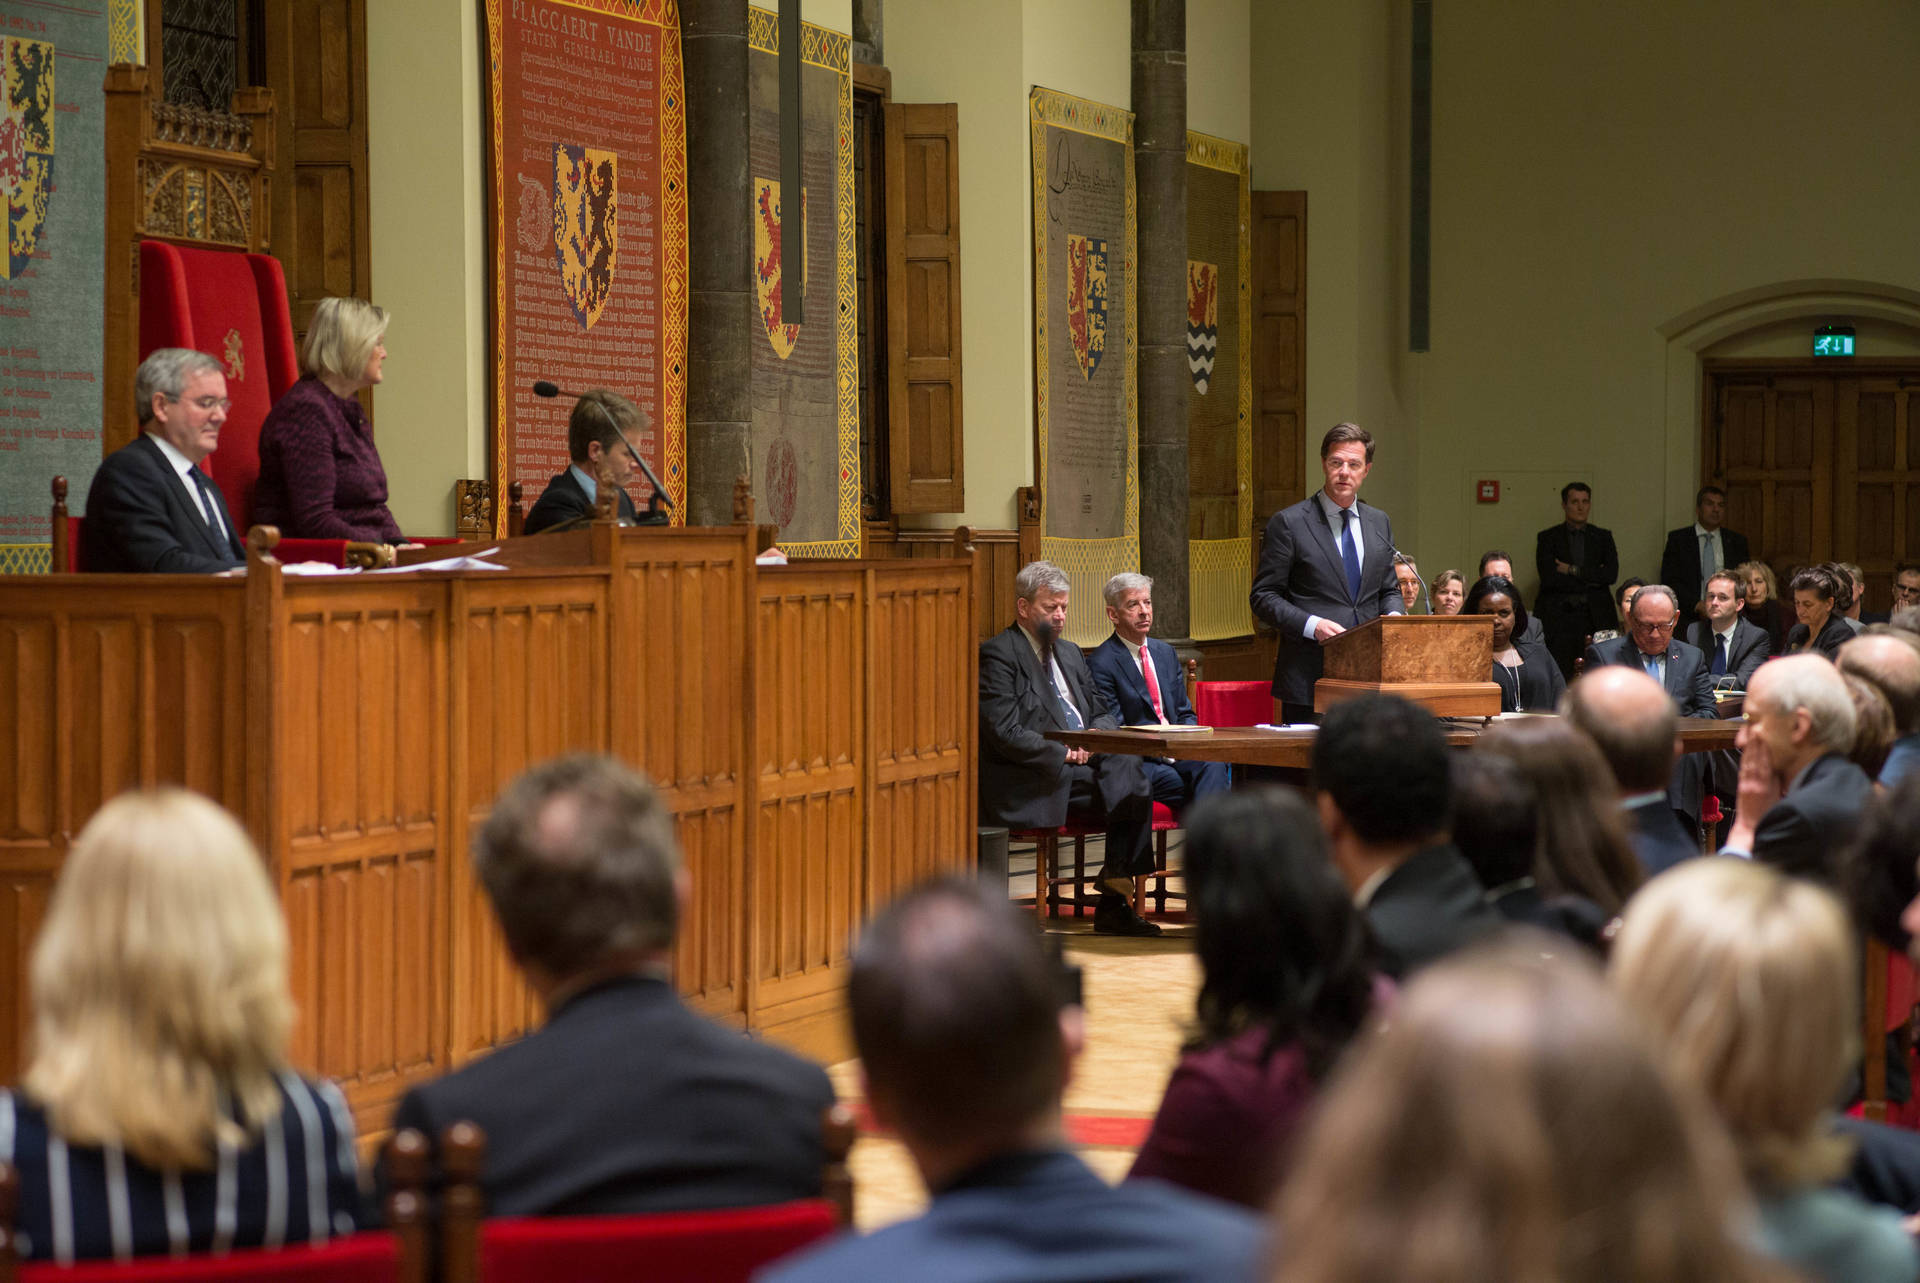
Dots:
pixel 1160 176
pixel 713 41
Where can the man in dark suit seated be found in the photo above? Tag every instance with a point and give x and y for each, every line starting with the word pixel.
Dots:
pixel 1382 781
pixel 1495 561
pixel 1577 564
pixel 150 507
pixel 1140 679
pixel 570 496
pixel 1681 671
pixel 1326 565
pixel 1631 720
pixel 967 1033
pixel 1696 552
pixel 1800 798
pixel 1733 646
pixel 1033 681
pixel 624 1101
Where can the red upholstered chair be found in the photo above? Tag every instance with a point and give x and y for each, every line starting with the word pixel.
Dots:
pixel 1233 703
pixel 1048 877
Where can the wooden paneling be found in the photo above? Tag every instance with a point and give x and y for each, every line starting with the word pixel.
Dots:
pixel 995 555
pixel 926 433
pixel 1279 350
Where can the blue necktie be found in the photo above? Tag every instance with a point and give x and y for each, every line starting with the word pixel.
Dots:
pixel 1653 666
pixel 1074 721
pixel 1350 554
pixel 1719 668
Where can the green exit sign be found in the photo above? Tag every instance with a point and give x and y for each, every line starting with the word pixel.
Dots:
pixel 1833 340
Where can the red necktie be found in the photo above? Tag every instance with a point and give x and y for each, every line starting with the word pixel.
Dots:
pixel 1153 683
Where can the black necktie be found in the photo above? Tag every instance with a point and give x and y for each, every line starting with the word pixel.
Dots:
pixel 209 508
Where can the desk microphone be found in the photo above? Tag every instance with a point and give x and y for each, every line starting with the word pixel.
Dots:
pixel 542 387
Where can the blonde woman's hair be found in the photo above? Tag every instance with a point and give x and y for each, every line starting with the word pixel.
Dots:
pixel 159 983
pixel 1512 1124
pixel 1747 569
pixel 341 337
pixel 1747 978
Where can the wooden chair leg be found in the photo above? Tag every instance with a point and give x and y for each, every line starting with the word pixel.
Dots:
pixel 1045 896
pixel 1160 871
pixel 1079 876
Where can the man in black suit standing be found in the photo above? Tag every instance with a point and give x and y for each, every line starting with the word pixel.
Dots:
pixel 1033 681
pixel 1577 564
pixel 624 1101
pixel 1800 797
pixel 1326 565
pixel 1632 722
pixel 570 497
pixel 1734 648
pixel 1140 679
pixel 1694 553
pixel 151 508
pixel 1384 790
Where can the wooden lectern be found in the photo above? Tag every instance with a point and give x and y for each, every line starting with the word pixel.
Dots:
pixel 1444 662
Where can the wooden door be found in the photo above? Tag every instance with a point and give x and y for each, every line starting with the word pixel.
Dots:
pixel 1774 455
pixel 1279 350
pixel 1876 491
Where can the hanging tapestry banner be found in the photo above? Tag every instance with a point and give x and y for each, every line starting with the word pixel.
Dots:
pixel 587 225
pixel 806 375
pixel 53 62
pixel 1220 400
pixel 1086 402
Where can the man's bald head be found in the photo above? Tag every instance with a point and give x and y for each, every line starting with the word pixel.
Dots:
pixel 1892 663
pixel 1631 718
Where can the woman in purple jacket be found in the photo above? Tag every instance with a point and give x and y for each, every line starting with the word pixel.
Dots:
pixel 1288 982
pixel 320 476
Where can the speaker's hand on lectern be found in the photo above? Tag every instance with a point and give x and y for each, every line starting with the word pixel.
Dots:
pixel 1325 629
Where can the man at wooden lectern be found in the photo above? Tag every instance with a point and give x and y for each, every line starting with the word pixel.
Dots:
pixel 1326 565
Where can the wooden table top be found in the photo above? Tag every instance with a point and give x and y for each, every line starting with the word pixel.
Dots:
pixel 1254 746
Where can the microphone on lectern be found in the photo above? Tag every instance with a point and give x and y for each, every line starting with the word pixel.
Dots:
pixel 541 387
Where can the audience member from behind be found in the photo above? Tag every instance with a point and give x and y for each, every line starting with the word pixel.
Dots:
pixel 1495 561
pixel 1879 871
pixel 624 1101
pixel 1891 661
pixel 1820 599
pixel 1760 603
pixel 1512 1124
pixel 150 509
pixel 1526 674
pixel 320 475
pixel 1584 850
pixel 966 1039
pixel 1384 797
pixel 1800 798
pixel 1748 980
pixel 1496 825
pixel 157 1114
pixel 1287 984
pixel 1873 732
pixel 1632 722
pixel 593 438
pixel 1449 592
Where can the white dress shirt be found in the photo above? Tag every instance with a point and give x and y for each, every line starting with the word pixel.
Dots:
pixel 1331 512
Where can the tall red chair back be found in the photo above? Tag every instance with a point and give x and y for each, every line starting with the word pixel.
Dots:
pixel 233 307
pixel 689 1247
pixel 1233 703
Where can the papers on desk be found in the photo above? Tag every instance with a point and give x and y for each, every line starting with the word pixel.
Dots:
pixel 1169 728
pixel 315 568
pixel 1285 726
pixel 474 562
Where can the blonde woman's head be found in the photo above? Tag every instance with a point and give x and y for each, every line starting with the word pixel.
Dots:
pixel 341 339
pixel 1746 977
pixel 159 980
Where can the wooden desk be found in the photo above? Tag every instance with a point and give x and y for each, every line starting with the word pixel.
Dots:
pixel 1294 748
pixel 811 728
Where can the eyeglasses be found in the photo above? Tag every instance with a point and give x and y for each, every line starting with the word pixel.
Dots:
pixel 207 403
pixel 1901 592
pixel 1639 626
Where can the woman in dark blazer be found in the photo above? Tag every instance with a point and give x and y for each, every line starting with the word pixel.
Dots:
pixel 1819 599
pixel 1760 603
pixel 1528 678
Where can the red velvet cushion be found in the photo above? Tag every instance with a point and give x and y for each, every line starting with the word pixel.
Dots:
pixel 1233 703
pixel 372 1257
pixel 689 1247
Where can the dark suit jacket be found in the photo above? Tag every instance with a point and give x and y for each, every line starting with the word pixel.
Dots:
pixel 1581 602
pixel 625 1101
pixel 1805 831
pixel 1750 648
pixel 1680 563
pixel 1004 1221
pixel 141 517
pixel 1835 635
pixel 1567 915
pixel 1301 575
pixel 1428 907
pixel 563 500
pixel 1538 685
pixel 1116 674
pixel 1687 679
pixel 1022 781
pixel 1658 840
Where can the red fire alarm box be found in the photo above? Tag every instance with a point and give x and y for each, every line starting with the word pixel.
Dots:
pixel 1487 491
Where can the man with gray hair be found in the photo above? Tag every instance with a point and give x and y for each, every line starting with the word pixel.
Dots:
pixel 1800 797
pixel 150 507
pixel 624 1101
pixel 1890 661
pixel 1033 681
pixel 1680 669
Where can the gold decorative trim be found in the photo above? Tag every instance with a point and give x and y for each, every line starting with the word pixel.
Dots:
pixel 26 558
pixel 125 40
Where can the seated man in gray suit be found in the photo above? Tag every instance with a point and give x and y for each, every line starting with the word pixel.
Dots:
pixel 1033 681
pixel 1733 646
pixel 1326 565
pixel 967 1034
